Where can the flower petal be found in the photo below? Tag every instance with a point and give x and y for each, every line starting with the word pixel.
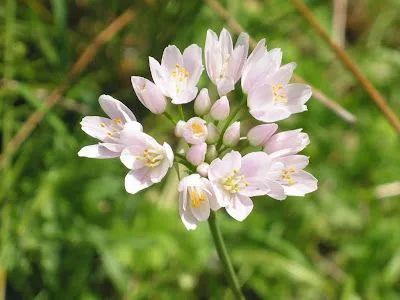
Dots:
pixel 97 151
pixel 116 109
pixel 137 180
pixel 240 207
pixel 171 57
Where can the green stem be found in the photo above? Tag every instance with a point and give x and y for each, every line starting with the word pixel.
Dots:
pixel 181 113
pixel 169 117
pixel 228 122
pixel 224 257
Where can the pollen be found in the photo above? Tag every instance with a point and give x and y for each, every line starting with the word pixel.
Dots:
pixel 102 124
pixel 151 157
pixel 286 175
pixel 278 95
pixel 197 128
pixel 197 197
pixel 235 182
pixel 118 121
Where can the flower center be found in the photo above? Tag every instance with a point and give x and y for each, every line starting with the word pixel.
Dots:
pixel 114 127
pixel 235 182
pixel 197 128
pixel 151 157
pixel 286 175
pixel 197 197
pixel 278 95
pixel 180 76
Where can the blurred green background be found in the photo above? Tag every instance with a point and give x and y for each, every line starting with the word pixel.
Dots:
pixel 68 229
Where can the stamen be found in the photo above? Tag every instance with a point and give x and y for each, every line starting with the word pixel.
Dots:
pixel 235 182
pixel 197 128
pixel 151 157
pixel 286 175
pixel 197 197
pixel 278 95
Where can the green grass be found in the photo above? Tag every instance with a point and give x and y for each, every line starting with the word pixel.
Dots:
pixel 68 229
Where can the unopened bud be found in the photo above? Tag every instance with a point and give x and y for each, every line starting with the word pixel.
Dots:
pixel 149 94
pixel 202 169
pixel 202 104
pixel 179 128
pixel 211 153
pixel 213 133
pixel 232 135
pixel 260 134
pixel 220 109
pixel 196 154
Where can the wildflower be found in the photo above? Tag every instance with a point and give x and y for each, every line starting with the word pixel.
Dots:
pixel 195 131
pixel 196 198
pixel 148 161
pixel 220 109
pixel 235 179
pixel 270 96
pixel 149 94
pixel 294 180
pixel 108 130
pixel 202 104
pixel 224 63
pixel 178 74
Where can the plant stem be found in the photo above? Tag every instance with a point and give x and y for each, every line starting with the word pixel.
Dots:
pixel 224 257
pixel 181 113
pixel 169 117
pixel 228 122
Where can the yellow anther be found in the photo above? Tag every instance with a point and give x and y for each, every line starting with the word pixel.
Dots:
pixel 197 198
pixel 118 121
pixel 102 124
pixel 197 128
pixel 177 66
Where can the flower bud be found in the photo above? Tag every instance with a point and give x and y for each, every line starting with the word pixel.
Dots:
pixel 260 134
pixel 202 104
pixel 220 109
pixel 202 169
pixel 149 94
pixel 179 128
pixel 195 131
pixel 196 154
pixel 211 153
pixel 287 143
pixel 213 133
pixel 232 135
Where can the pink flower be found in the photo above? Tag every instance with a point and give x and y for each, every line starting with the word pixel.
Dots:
pixel 224 63
pixel 294 180
pixel 271 97
pixel 196 154
pixel 178 74
pixel 260 134
pixel 148 160
pixel 196 198
pixel 149 94
pixel 195 131
pixel 286 143
pixel 235 179
pixel 108 130
pixel 220 109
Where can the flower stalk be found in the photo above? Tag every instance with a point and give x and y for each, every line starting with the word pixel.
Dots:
pixel 224 257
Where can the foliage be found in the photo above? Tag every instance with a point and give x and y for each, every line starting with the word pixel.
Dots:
pixel 70 231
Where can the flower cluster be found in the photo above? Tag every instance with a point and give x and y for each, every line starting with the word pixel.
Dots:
pixel 218 175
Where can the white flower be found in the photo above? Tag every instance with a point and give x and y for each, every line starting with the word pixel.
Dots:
pixel 294 180
pixel 271 98
pixel 196 198
pixel 108 130
pixel 224 63
pixel 235 179
pixel 148 160
pixel 195 131
pixel 178 74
